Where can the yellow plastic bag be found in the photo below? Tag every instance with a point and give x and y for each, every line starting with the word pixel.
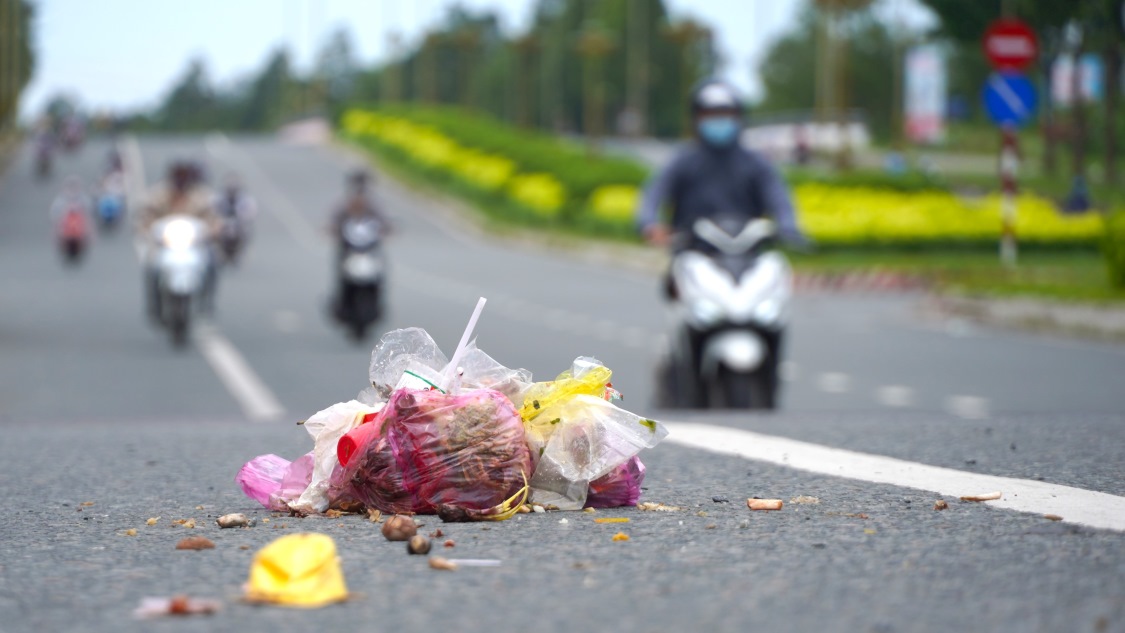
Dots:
pixel 298 570
pixel 586 377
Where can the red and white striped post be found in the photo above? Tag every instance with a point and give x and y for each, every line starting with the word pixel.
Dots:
pixel 1009 171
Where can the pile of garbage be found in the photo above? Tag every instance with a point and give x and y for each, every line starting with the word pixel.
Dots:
pixel 465 438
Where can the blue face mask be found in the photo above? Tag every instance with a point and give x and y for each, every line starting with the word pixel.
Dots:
pixel 719 131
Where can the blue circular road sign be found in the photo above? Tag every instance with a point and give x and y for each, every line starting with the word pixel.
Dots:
pixel 1009 98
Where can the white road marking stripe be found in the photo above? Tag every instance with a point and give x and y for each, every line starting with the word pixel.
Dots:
pixel 257 401
pixel 967 407
pixel 1074 505
pixel 832 382
pixel 894 396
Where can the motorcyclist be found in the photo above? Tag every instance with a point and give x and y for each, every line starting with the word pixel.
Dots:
pixel 237 209
pixel 72 200
pixel 358 203
pixel 715 175
pixel 183 193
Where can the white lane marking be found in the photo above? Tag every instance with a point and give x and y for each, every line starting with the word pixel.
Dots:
pixel 257 401
pixel 894 396
pixel 967 407
pixel 834 382
pixel 1074 505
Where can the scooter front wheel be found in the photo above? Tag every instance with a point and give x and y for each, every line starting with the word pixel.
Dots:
pixel 744 390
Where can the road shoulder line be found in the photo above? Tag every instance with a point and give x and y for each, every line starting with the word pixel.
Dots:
pixel 1075 505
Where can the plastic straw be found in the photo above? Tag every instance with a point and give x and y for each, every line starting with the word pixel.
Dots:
pixel 451 370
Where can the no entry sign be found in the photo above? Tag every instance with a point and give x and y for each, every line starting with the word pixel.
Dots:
pixel 1010 44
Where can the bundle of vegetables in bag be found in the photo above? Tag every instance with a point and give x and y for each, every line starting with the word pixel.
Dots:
pixel 461 456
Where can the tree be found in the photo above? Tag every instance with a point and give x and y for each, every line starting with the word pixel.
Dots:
pixel 191 103
pixel 17 56
pixel 790 67
pixel 270 96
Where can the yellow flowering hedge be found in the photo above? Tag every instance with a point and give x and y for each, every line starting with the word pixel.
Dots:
pixel 599 195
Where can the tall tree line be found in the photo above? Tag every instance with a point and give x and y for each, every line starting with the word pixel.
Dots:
pixel 17 57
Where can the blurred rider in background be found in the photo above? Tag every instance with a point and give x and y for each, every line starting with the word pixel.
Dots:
pixel 71 205
pixel 183 192
pixel 715 175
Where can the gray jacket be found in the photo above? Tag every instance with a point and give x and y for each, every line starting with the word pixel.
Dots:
pixel 705 182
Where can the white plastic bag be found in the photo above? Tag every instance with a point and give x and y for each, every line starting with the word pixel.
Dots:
pixel 326 429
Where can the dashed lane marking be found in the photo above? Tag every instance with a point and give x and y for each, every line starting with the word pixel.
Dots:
pixel 1074 505
pixel 896 396
pixel 967 407
pixel 256 400
pixel 834 382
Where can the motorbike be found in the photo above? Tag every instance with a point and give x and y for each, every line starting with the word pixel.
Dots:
pixel 110 208
pixel 731 292
pixel 73 234
pixel 361 269
pixel 44 163
pixel 179 269
pixel 231 238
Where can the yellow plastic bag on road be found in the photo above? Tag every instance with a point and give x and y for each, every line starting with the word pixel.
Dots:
pixel 298 570
pixel 587 377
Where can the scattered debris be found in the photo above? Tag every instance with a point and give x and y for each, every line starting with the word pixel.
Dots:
pixel 805 500
pixel 333 514
pixel 720 499
pixel 612 520
pixel 187 523
pixel 589 510
pixel 195 543
pixel 399 528
pixel 418 544
pixel 710 526
pixel 130 532
pixel 764 504
pixel 152 521
pixel 177 605
pixel 649 506
pixel 1052 517
pixel 620 536
pixel 374 516
pixel 300 570
pixel 233 521
pixel 990 496
pixel 563 521
pixel 857 515
pixel 198 507
pixel 538 508
pixel 869 531
pixel 940 504
pixel 437 562
pixel 437 533
pixel 701 513
pixel 524 509
pixel 449 543
pixel 86 504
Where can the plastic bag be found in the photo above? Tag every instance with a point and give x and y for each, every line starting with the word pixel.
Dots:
pixel 619 487
pixel 587 376
pixel 481 371
pixel 275 481
pixel 591 437
pixel 399 351
pixel 326 429
pixel 462 457
pixel 298 570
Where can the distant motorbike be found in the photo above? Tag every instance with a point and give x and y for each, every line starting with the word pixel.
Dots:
pixel 232 235
pixel 109 209
pixel 73 235
pixel 731 290
pixel 180 265
pixel 361 269
pixel 44 162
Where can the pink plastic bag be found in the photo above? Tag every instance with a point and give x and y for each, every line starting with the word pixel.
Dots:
pixel 275 481
pixel 620 487
pixel 461 456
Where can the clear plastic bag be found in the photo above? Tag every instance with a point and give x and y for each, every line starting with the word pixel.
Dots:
pixel 460 456
pixel 587 376
pixel 591 437
pixel 399 351
pixel 326 429
pixel 481 371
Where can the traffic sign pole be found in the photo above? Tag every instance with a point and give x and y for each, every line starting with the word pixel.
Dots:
pixel 1009 173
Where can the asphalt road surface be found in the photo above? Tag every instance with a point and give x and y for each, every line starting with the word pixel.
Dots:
pixel 885 410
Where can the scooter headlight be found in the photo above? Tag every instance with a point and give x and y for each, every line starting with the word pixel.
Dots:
pixel 179 234
pixel 768 312
pixel 705 312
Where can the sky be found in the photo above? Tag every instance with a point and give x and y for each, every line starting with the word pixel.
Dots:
pixel 126 54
